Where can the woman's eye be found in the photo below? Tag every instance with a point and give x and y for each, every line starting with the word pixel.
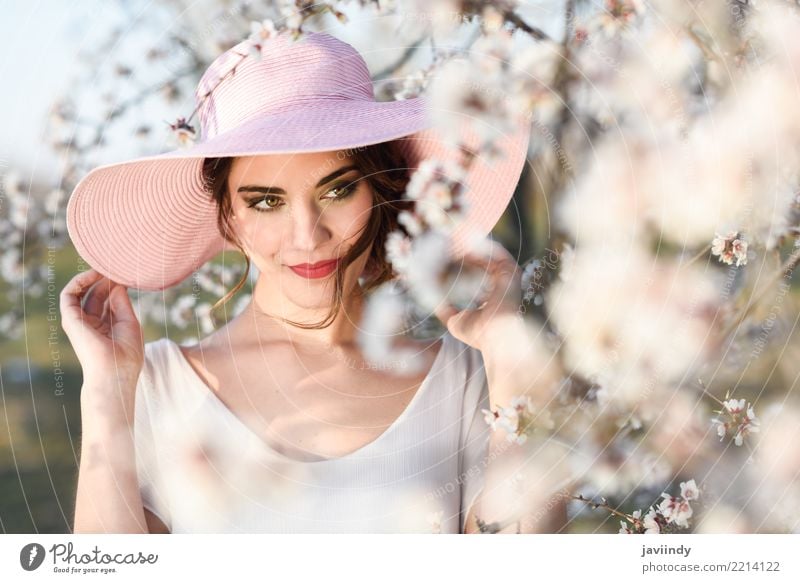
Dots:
pixel 270 202
pixel 340 192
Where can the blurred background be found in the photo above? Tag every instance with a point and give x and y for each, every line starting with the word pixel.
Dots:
pixel 91 82
pixel 86 83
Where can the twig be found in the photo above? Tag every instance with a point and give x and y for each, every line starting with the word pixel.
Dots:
pixel 788 266
pixel 221 79
pixel 515 19
pixel 404 58
pixel 143 94
pixel 604 505
pixel 708 52
pixel 705 391
pixel 497 526
pixel 700 254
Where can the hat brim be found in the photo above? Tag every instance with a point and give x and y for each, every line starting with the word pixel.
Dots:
pixel 149 223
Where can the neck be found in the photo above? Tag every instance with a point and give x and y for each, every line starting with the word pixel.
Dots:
pixel 341 331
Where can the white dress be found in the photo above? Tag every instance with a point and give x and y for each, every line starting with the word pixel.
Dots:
pixel 201 469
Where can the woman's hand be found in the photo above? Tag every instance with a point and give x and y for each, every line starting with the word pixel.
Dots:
pixel 98 317
pixel 501 305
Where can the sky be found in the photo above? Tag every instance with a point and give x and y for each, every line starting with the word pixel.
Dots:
pixel 41 41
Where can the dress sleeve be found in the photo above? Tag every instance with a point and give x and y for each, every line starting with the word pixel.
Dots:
pixel 475 433
pixel 148 464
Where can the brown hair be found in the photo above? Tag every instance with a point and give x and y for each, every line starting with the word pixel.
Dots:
pixel 386 171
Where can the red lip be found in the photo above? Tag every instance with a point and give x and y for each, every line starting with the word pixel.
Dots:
pixel 315 270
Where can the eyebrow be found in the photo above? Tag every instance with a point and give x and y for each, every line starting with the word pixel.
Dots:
pixel 276 190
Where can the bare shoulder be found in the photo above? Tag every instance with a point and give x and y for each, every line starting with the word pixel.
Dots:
pixel 218 342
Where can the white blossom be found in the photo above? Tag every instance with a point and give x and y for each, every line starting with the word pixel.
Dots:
pixel 738 419
pixel 432 179
pixel 12 184
pixel 205 318
pixel 676 510
pixel 398 250
pixel 439 205
pixel 52 201
pixel 730 248
pixel 259 33
pixel 293 17
pixel 689 490
pixel 383 325
pixel 181 313
pixel 20 211
pixel 411 222
pixel 12 266
pixel 628 319
pixel 413 85
pixel 617 15
pixel 650 523
pixel 518 419
pixel 534 69
pixel 461 95
pixel 183 133
pixel 491 417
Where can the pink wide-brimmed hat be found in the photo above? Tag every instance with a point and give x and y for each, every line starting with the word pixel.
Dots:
pixel 150 222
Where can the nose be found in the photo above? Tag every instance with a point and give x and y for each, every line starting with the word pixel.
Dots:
pixel 308 228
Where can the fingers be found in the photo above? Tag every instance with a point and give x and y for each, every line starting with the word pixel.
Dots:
pixel 121 306
pixel 95 298
pixel 500 270
pixel 444 312
pixel 495 258
pixel 76 289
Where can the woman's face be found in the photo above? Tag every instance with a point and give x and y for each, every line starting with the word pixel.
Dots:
pixel 293 212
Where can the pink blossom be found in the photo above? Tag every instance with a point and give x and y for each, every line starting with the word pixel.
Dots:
pixel 260 32
pixel 730 249
pixel 491 417
pixel 739 419
pixel 675 510
pixel 689 490
pixel 183 132
pixel 650 522
pixel 398 250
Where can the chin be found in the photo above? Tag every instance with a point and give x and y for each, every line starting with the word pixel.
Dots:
pixel 308 293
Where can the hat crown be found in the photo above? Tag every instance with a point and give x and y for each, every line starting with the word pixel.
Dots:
pixel 290 73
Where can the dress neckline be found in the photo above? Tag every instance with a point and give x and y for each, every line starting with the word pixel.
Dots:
pixel 197 380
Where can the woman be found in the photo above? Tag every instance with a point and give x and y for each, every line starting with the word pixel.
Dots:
pixel 275 423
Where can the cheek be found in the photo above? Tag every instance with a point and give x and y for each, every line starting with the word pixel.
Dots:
pixel 255 231
pixel 349 220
